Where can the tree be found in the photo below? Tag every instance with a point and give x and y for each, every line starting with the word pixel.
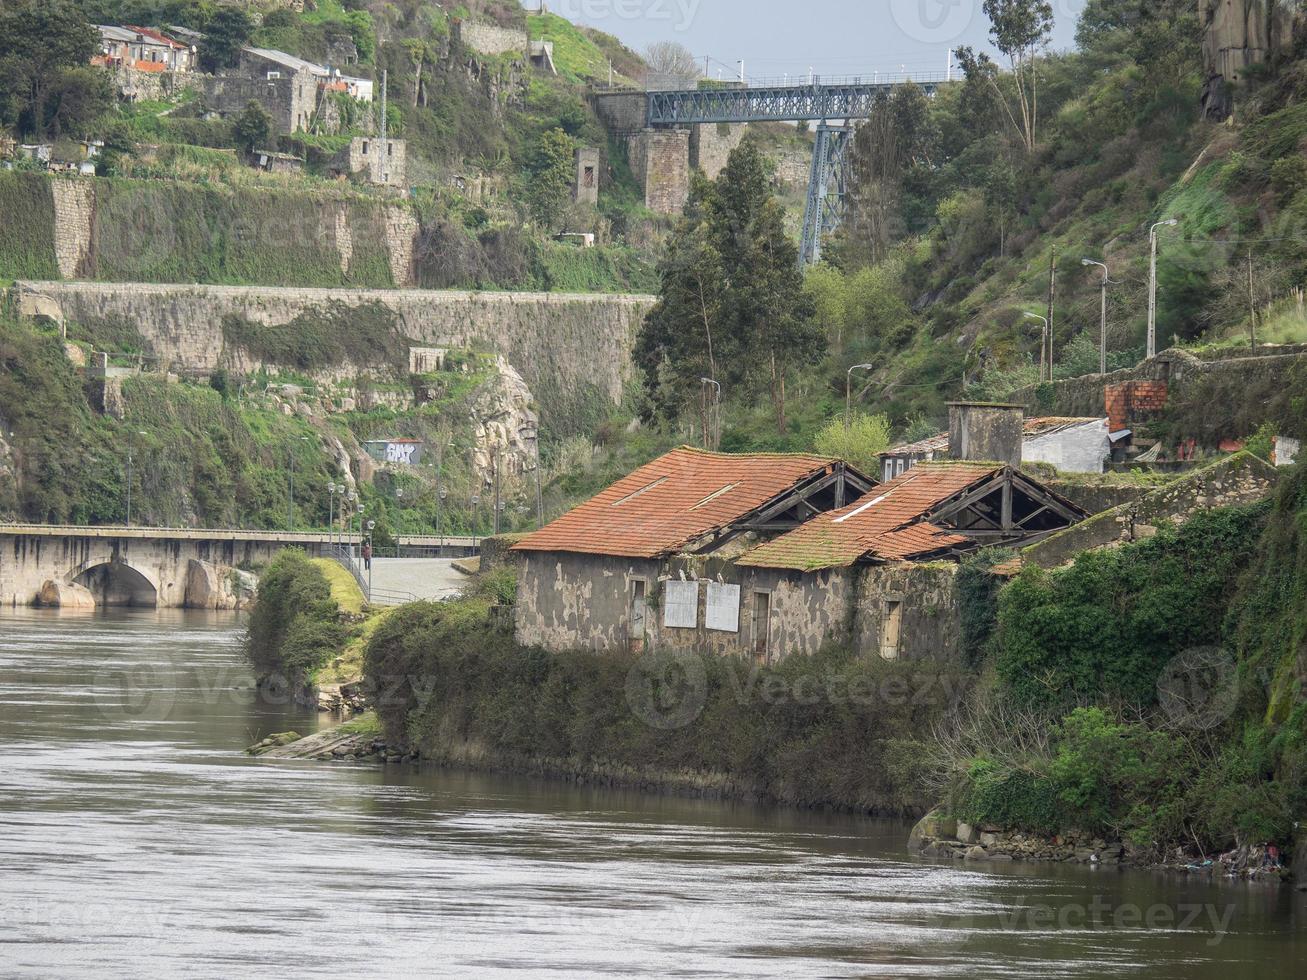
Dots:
pixel 859 440
pixel 675 347
pixel 226 32
pixel 253 127
pixel 671 65
pixel 45 84
pixel 1020 28
pixel 732 304
pixel 550 175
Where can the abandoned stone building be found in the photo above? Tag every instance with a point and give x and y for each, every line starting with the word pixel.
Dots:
pixel 769 556
pixel 376 161
pixel 294 91
pixel 623 569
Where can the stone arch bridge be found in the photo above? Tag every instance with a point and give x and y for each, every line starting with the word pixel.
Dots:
pixel 136 566
pixel 145 566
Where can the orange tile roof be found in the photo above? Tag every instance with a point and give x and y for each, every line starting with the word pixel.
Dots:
pixel 887 523
pixel 674 500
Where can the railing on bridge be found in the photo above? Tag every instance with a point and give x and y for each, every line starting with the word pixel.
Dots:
pixel 777 100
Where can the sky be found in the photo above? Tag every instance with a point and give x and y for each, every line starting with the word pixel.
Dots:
pixel 778 37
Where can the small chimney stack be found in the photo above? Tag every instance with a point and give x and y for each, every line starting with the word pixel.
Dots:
pixel 986 431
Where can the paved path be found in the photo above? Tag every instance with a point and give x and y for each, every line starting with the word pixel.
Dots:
pixel 426 578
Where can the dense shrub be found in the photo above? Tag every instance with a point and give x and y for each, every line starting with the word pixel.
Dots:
pixel 27 245
pixel 828 729
pixel 1106 626
pixel 295 626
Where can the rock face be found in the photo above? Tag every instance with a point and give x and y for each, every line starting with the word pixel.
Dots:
pixel 505 422
pixel 65 595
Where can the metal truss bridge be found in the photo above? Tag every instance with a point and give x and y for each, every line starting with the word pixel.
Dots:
pixel 833 103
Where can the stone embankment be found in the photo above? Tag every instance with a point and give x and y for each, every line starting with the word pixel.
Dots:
pixel 943 837
pixel 333 745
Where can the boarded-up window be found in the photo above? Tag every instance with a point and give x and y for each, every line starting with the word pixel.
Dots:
pixel 723 611
pixel 588 180
pixel 890 629
pixel 762 625
pixel 639 608
pixel 681 605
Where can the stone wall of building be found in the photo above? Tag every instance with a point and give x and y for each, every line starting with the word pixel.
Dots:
pixel 291 100
pixel 567 602
pixel 929 614
pixel 573 350
pixel 1239 479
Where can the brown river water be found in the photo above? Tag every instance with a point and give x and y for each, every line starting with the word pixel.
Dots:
pixel 136 839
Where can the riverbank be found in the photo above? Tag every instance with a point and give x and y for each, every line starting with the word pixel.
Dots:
pixel 939 836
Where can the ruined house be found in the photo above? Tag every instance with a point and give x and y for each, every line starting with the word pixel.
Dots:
pixel 769 556
pixel 295 92
pixel 1069 445
pixel 637 565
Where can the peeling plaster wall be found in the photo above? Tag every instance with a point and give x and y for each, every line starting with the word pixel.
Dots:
pixel 931 626
pixel 568 602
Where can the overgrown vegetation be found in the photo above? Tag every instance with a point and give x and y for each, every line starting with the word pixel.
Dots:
pixel 457 687
pixel 295 627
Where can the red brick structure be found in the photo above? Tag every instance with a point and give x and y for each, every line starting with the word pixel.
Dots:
pixel 1133 400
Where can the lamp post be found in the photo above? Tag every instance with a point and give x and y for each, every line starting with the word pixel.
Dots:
pixel 371 526
pixel 359 514
pixel 441 496
pixel 1152 282
pixel 1102 326
pixel 331 514
pixel 130 443
pixel 710 438
pixel 848 391
pixel 1045 340
pixel 476 513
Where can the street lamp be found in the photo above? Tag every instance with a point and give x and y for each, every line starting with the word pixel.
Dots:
pixel 440 503
pixel 331 513
pixel 476 514
pixel 1102 326
pixel 848 391
pixel 710 440
pixel 129 475
pixel 1045 344
pixel 1152 282
pixel 371 526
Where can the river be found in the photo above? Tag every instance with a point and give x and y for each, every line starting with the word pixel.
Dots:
pixel 139 840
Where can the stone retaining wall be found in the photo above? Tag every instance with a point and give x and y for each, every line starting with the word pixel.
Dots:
pixel 573 350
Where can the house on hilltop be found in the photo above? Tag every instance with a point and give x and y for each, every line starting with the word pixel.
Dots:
pixel 142 49
pixel 294 91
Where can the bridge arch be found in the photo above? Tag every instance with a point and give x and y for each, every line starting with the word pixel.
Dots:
pixel 116 583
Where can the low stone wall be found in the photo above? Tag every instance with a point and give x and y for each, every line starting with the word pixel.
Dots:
pixel 936 835
pixel 1254 379
pixel 1094 498
pixel 573 350
pixel 1239 479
